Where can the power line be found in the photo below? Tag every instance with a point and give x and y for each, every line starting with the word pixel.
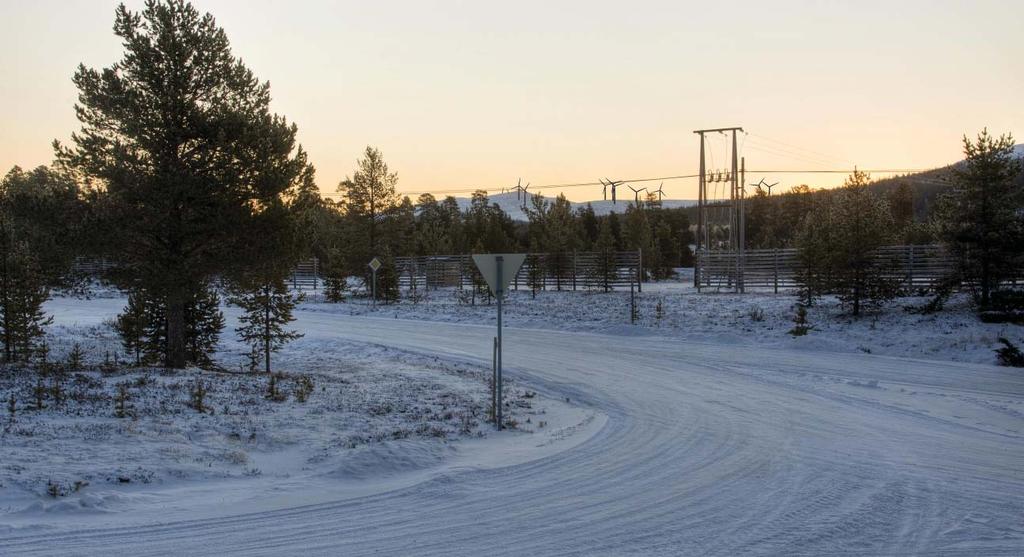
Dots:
pixel 819 154
pixel 659 178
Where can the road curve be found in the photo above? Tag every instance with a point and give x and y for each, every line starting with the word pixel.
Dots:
pixel 707 450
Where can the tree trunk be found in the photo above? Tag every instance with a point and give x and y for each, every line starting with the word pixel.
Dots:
pixel 175 357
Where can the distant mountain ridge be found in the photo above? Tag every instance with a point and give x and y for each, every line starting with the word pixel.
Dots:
pixel 513 204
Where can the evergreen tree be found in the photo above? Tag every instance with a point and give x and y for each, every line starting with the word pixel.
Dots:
pixel 40 233
pixel 147 312
pixel 22 294
pixel 267 307
pixel 589 227
pixel 838 244
pixel 636 233
pixel 203 324
pixel 983 217
pixel 369 198
pixel 561 238
pixel 865 224
pixel 817 242
pixel 131 326
pixel 605 271
pixel 667 250
pixel 901 204
pixel 184 152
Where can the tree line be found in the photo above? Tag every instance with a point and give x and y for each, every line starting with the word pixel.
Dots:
pixel 370 219
pixel 980 219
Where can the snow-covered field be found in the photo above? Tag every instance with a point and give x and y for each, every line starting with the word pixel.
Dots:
pixel 704 429
pixel 758 318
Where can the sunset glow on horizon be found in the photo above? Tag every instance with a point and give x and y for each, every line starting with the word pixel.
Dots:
pixel 461 95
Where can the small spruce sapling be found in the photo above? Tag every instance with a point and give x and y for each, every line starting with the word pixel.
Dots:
pixel 268 309
pixel 800 325
pixel 75 358
pixel 57 389
pixel 39 394
pixel 303 388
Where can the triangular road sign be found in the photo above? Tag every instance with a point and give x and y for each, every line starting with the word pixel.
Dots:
pixel 488 265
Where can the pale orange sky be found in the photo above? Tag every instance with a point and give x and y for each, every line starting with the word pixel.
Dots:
pixel 463 94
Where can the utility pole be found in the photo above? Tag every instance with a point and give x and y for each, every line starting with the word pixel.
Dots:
pixel 735 205
pixel 743 222
pixel 700 214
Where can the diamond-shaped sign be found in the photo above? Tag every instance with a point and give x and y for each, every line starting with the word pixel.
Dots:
pixel 375 264
pixel 488 265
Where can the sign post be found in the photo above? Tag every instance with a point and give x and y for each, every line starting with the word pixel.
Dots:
pixel 498 270
pixel 374 265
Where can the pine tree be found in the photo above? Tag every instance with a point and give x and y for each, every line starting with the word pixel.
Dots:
pixel 146 311
pixel 983 217
pixel 40 214
pixel 667 252
pixel 369 199
pixel 605 271
pixel 816 240
pixel 131 326
pixel 561 240
pixel 636 234
pixel 838 242
pixel 203 324
pixel 268 309
pixel 185 154
pixel 22 294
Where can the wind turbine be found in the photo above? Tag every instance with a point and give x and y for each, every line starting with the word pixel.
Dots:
pixel 525 194
pixel 606 183
pixel 659 191
pixel 636 194
pixel 761 186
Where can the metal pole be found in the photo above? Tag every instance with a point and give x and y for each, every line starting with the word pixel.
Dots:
pixel 639 270
pixel 734 221
pixel 632 303
pixel 700 212
pixel 494 381
pixel 743 224
pixel 373 288
pixel 499 260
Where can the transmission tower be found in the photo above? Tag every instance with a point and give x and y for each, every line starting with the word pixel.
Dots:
pixel 735 177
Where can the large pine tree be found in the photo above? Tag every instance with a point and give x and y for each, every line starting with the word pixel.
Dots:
pixel 369 199
pixel 179 141
pixel 983 217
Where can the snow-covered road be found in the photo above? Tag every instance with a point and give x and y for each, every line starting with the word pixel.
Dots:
pixel 707 449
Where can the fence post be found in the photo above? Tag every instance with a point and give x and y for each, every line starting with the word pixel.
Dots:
pixel 640 270
pixel 910 267
pixel 574 270
pixel 697 263
pixel 775 254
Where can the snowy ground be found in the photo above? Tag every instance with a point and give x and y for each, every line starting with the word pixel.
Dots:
pixel 372 413
pixel 758 318
pixel 707 431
